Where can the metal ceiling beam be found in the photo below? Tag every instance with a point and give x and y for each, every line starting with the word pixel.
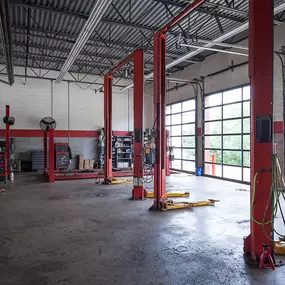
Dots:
pixel 65 80
pixel 82 53
pixel 204 10
pixel 215 12
pixel 57 59
pixel 241 28
pixel 80 15
pixel 92 42
pixel 6 36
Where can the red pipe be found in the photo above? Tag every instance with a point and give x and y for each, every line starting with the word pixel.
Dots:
pixel 7 135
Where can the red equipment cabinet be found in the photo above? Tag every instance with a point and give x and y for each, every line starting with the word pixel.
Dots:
pixel 3 167
pixel 61 155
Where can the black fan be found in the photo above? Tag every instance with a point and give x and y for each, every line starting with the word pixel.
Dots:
pixel 47 123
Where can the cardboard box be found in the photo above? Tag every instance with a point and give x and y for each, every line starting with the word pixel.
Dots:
pixel 81 162
pixel 86 164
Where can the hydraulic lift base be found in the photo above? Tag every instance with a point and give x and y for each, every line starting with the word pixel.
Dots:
pixel 170 205
pixel 279 248
pixel 170 195
pixel 116 181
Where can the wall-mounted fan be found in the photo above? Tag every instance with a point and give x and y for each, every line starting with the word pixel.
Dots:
pixel 47 124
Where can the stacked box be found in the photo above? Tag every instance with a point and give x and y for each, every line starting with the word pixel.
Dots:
pixel 86 163
pixel 91 165
pixel 81 162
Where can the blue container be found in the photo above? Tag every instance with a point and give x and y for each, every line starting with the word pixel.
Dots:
pixel 199 172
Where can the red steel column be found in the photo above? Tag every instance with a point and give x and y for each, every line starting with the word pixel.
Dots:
pixel 7 134
pixel 159 118
pixel 45 151
pixel 51 155
pixel 139 192
pixel 167 153
pixel 108 128
pixel 261 80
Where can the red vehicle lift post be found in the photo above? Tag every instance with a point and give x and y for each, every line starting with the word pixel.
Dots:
pixel 259 243
pixel 7 143
pixel 138 57
pixel 49 153
pixel 159 93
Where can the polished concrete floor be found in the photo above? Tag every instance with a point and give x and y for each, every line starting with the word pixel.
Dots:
pixel 80 233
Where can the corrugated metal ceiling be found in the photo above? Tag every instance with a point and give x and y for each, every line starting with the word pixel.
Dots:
pixel 44 31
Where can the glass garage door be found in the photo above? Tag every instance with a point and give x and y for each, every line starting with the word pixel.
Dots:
pixel 180 121
pixel 227 134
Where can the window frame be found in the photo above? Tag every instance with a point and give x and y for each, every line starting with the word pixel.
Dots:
pixel 242 134
pixel 194 123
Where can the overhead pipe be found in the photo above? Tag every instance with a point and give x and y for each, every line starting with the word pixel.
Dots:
pixel 214 49
pixel 222 38
pixel 6 36
pixel 95 17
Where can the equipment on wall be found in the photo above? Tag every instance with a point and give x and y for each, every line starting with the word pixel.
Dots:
pixel 47 124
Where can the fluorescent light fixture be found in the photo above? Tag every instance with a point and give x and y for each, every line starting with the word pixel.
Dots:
pixel 97 13
pixel 214 49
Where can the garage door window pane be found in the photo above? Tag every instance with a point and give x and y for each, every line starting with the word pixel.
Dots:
pixel 188 154
pixel 176 164
pixel 188 141
pixel 246 142
pixel 213 142
pixel 246 125
pixel 232 172
pixel 213 100
pixel 246 158
pixel 209 155
pixel 167 110
pixel 176 119
pixel 213 114
pixel 213 128
pixel 188 105
pixel 232 96
pixel 246 174
pixel 232 126
pixel 188 165
pixel 167 122
pixel 176 141
pixel 246 109
pixel 188 117
pixel 176 108
pixel 246 93
pixel 177 153
pixel 232 142
pixel 232 157
pixel 188 130
pixel 232 111
pixel 215 170
pixel 176 130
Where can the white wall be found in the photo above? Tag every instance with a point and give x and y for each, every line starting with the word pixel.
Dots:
pixel 38 98
pixel 34 99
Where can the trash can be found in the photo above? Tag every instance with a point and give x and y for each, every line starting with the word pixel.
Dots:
pixel 199 171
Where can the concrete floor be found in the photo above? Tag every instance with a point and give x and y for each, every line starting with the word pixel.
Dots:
pixel 77 232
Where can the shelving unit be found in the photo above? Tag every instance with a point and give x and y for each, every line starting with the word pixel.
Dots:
pixel 122 152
